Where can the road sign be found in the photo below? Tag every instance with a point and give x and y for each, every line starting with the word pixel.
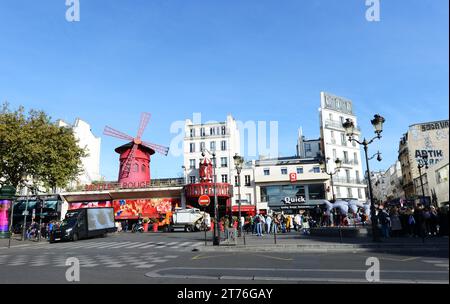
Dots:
pixel 204 200
pixel 293 177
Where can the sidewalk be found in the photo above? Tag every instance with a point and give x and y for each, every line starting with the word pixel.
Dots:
pixel 295 242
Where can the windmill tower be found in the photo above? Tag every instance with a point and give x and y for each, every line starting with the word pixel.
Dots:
pixel 135 155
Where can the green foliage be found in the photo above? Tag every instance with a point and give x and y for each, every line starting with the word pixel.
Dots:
pixel 31 146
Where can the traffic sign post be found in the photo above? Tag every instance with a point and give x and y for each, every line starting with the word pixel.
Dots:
pixel 204 201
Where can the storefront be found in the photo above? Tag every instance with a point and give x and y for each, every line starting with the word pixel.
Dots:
pixel 291 198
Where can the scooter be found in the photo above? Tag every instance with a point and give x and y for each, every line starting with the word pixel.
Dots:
pixel 137 227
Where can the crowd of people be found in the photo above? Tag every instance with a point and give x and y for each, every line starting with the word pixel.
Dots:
pixel 33 230
pixel 391 221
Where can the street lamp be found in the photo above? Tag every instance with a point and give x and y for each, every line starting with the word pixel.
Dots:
pixel 377 123
pixel 238 161
pixel 216 236
pixel 338 163
pixel 420 165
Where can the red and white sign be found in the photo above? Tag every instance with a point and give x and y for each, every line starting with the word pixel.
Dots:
pixel 293 177
pixel 204 200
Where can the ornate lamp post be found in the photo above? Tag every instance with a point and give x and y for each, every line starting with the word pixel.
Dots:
pixel 338 163
pixel 349 127
pixel 420 165
pixel 238 161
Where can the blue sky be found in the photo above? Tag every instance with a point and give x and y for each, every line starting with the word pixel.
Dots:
pixel 257 59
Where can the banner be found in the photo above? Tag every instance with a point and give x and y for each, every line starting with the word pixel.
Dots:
pixel 152 207
pixel 74 206
pixel 4 222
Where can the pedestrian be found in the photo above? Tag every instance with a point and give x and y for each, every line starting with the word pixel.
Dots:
pixel 268 224
pixel 258 219
pixel 384 221
pixel 263 224
pixel 297 222
pixel 396 225
pixel 305 224
pixel 288 223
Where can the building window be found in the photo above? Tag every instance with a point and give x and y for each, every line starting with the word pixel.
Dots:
pixel 223 145
pixel 212 131
pixel 192 179
pixel 316 191
pixel 202 132
pixel 249 198
pixel 345 157
pixel 355 158
pixel 223 162
pixel 316 169
pixel 247 180
pixel 284 171
pixel 357 176
pixel 347 174
pixel 223 130
pixel 343 139
pixel 224 178
pixel 349 193
pixel 202 146
pixel 192 132
pixel 330 116
pixel 307 147
pixel 300 170
pixel 359 194
pixel 341 118
pixel 338 191
pixel 334 154
pixel 192 147
pixel 266 172
pixel 192 164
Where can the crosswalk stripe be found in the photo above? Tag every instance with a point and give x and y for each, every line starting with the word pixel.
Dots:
pixel 184 244
pixel 124 244
pixel 149 245
pixel 172 243
pixel 115 245
pixel 198 244
pixel 137 245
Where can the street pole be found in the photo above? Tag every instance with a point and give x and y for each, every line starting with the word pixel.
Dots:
pixel 421 183
pixel 372 205
pixel 40 219
pixel 216 238
pixel 24 225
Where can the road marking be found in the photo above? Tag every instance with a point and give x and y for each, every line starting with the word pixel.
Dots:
pixel 124 244
pixel 149 245
pixel 172 243
pixel 134 246
pixel 202 257
pixel 272 257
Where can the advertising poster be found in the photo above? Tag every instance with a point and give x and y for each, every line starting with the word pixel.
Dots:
pixel 4 206
pixel 74 206
pixel 153 207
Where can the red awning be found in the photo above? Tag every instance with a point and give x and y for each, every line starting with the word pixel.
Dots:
pixel 244 208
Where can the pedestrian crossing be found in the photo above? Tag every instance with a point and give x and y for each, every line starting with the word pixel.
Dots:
pixel 109 245
pixel 141 261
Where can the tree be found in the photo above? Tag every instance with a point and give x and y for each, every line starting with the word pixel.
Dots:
pixel 32 147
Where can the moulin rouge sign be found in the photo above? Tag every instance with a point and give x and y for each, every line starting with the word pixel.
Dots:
pixel 115 186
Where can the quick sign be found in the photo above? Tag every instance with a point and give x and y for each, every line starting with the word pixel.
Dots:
pixel 293 177
pixel 294 200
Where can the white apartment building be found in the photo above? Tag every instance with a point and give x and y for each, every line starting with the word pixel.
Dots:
pixel 289 184
pixel 308 148
pixel 349 182
pixel 88 141
pixel 223 139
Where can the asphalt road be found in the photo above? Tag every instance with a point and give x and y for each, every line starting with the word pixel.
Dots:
pixel 172 258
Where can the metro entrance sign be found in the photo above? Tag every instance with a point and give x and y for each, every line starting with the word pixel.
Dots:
pixel 204 200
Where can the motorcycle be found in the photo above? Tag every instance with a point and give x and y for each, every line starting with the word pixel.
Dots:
pixel 137 227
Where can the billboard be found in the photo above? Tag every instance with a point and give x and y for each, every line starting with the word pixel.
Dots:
pixel 100 218
pixel 4 223
pixel 151 207
pixel 74 206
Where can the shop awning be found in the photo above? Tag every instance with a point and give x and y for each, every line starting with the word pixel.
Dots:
pixel 244 208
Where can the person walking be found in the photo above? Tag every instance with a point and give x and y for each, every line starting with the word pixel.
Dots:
pixel 384 221
pixel 258 225
pixel 288 223
pixel 268 224
pixel 297 222
pixel 396 225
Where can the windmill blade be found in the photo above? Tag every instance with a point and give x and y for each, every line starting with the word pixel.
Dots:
pixel 127 166
pixel 157 148
pixel 114 133
pixel 145 117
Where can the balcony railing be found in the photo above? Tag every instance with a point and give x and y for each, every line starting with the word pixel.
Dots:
pixel 343 180
pixel 338 125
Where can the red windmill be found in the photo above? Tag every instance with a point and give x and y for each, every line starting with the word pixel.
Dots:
pixel 135 155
